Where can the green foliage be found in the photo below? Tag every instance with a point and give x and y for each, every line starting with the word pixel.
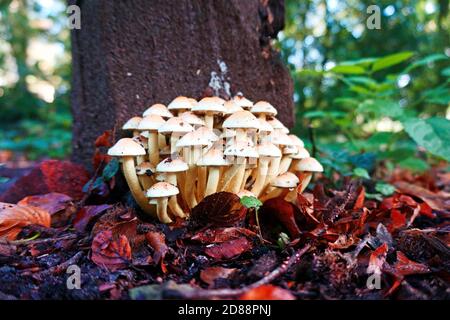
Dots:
pixel 251 202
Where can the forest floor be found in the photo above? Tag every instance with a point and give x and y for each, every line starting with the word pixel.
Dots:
pixel 342 242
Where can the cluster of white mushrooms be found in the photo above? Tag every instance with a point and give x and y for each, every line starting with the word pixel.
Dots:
pixel 190 149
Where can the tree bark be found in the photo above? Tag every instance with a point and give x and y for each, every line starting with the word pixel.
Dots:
pixel 130 54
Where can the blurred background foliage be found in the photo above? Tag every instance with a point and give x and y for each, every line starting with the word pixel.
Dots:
pixel 363 96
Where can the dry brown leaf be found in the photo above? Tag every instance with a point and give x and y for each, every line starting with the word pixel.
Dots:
pixel 14 217
pixel 436 201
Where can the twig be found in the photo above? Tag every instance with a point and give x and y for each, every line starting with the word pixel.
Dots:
pixel 226 293
pixel 60 267
pixel 37 241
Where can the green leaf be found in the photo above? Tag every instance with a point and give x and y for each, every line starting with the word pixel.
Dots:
pixel 348 69
pixel 149 292
pixel 414 164
pixel 446 72
pixel 391 60
pixel 426 60
pixel 385 189
pixel 376 196
pixel 251 202
pixel 110 169
pixel 309 73
pixel 382 108
pixel 433 134
pixel 361 172
pixel 283 240
pixel 438 95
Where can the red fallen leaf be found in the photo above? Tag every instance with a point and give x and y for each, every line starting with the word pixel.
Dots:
pixel 283 211
pixel 49 176
pixel 222 209
pixel 437 201
pixel 157 241
pixel 305 204
pixel 377 259
pixel 228 250
pixel 104 140
pixel 267 292
pixel 211 274
pixel 110 253
pixel 398 220
pixel 359 203
pixel 50 202
pixel 87 214
pixel 219 235
pixel 99 158
pixel 406 267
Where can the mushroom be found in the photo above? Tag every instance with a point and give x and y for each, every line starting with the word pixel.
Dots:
pixel 179 105
pixel 231 107
pixel 306 167
pixel 277 125
pixel 286 161
pixel 242 122
pixel 132 125
pixel 127 149
pixel 158 109
pixel 145 172
pixel 302 153
pixel 192 119
pixel 176 127
pixel 172 167
pixel 209 106
pixel 263 109
pixel 282 184
pixel 151 124
pixel 267 151
pixel 162 191
pixel 214 160
pixel 246 193
pixel 143 141
pixel 242 101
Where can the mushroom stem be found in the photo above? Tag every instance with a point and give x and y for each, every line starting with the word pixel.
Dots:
pixel 275 193
pixel 213 180
pixel 209 120
pixel 235 183
pixel 146 182
pixel 173 143
pixel 161 140
pixel 273 171
pixel 173 202
pixel 162 210
pixel 305 178
pixel 136 133
pixel 129 171
pixel 247 174
pixel 153 151
pixel 261 176
pixel 190 179
pixel 227 177
pixel 201 183
pixel 285 164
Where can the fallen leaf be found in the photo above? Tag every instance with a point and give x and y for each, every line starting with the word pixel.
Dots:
pixel 157 241
pixel 222 209
pixel 219 235
pixel 211 274
pixel 14 217
pixel 51 202
pixel 406 267
pixel 86 215
pixel 359 203
pixel 282 211
pixel 377 259
pixel 110 253
pixel 398 220
pixel 228 250
pixel 268 292
pixel 436 201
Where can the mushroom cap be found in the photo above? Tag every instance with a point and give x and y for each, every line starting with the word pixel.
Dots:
pixel 246 193
pixel 126 147
pixel 180 103
pixel 210 104
pixel 277 124
pixel 145 168
pixel 297 141
pixel 143 141
pixel 309 164
pixel 290 150
pixel 227 133
pixel 203 136
pixel 175 125
pixel 242 101
pixel 231 107
pixel 267 149
pixel 264 126
pixel 162 190
pixel 241 120
pixel 263 107
pixel 159 110
pixel 172 165
pixel 285 180
pixel 151 122
pixel 132 124
pixel 192 101
pixel 279 138
pixel 241 149
pixel 302 153
pixel 191 118
pixel 213 157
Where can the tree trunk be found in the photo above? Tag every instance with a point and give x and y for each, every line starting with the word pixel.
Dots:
pixel 131 54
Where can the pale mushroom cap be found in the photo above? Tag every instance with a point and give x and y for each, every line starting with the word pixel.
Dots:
pixel 126 147
pixel 241 149
pixel 309 164
pixel 277 124
pixel 280 138
pixel 241 120
pixel 191 118
pixel 151 122
pixel 162 190
pixel 232 107
pixel 264 126
pixel 263 107
pixel 302 153
pixel 213 157
pixel 158 109
pixel 176 125
pixel 192 101
pixel 242 102
pixel 285 180
pixel 297 141
pixel 172 165
pixel 180 103
pixel 210 104
pixel 228 133
pixel 290 150
pixel 246 193
pixel 267 149
pixel 203 136
pixel 143 141
pixel 132 124
pixel 145 168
